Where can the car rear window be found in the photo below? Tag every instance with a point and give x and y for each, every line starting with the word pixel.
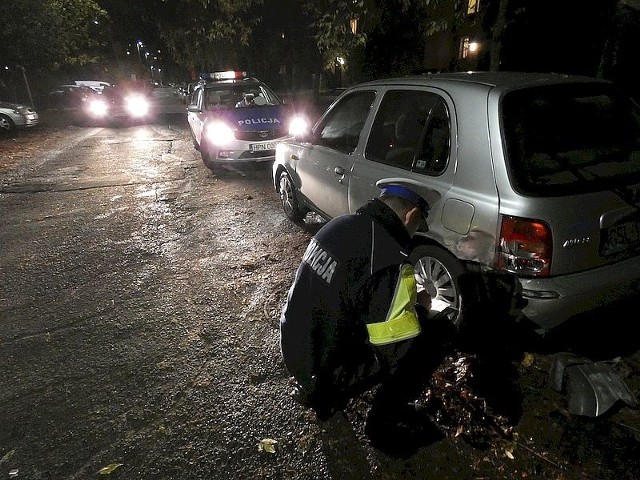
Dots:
pixel 572 138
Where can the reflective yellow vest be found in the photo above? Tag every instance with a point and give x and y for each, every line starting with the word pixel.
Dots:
pixel 402 320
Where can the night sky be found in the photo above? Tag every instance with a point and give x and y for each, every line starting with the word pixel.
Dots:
pixel 129 22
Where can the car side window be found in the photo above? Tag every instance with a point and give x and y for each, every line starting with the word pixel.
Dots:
pixel 213 100
pixel 411 131
pixel 433 155
pixel 342 126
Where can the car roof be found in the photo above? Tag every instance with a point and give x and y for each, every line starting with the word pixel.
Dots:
pixel 235 81
pixel 12 105
pixel 502 80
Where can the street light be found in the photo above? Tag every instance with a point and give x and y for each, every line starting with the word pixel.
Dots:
pixel 139 44
pixel 341 61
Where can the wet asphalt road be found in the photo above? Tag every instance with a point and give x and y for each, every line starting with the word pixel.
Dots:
pixel 138 332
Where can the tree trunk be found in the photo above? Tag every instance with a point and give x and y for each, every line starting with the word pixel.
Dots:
pixel 496 43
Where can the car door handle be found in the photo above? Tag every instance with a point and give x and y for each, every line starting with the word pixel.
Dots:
pixel 338 171
pixel 295 157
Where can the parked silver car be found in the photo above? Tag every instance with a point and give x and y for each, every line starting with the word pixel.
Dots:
pixel 535 174
pixel 14 116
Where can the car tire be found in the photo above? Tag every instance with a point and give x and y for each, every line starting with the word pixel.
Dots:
pixel 6 124
pixel 195 143
pixel 288 198
pixel 207 157
pixel 437 271
pixel 207 162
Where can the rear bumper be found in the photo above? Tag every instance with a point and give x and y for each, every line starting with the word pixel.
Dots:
pixel 552 301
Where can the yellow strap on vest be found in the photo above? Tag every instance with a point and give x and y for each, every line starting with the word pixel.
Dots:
pixel 402 319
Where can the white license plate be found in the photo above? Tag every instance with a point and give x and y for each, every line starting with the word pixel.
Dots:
pixel 259 147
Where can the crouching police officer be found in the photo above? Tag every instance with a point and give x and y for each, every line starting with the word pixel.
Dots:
pixel 353 319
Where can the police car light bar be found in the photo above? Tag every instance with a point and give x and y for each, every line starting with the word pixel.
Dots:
pixel 228 75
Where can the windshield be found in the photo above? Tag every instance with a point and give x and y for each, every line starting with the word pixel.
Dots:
pixel 571 139
pixel 235 96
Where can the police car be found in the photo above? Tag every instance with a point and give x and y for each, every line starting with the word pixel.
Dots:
pixel 234 118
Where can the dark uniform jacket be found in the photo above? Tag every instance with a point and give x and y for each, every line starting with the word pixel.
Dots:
pixel 351 308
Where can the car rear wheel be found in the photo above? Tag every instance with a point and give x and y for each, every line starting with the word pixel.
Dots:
pixel 288 199
pixel 6 124
pixel 437 272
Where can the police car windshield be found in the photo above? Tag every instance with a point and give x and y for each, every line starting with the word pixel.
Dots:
pixel 228 96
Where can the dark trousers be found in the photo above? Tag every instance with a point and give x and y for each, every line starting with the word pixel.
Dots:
pixel 414 371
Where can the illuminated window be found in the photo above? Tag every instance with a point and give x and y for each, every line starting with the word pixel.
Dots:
pixel 473 7
pixel 353 23
pixel 464 47
pixel 468 47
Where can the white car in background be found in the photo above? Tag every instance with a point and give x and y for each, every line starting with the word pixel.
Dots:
pixel 14 116
pixel 96 85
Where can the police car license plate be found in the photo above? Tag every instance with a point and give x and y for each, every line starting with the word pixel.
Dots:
pixel 259 147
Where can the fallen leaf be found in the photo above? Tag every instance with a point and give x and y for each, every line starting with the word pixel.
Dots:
pixel 7 456
pixel 109 468
pixel 528 360
pixel 267 445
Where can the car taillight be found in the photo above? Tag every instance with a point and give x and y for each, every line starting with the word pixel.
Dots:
pixel 525 247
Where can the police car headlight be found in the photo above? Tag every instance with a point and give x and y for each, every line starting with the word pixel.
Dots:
pixel 219 133
pixel 298 126
pixel 136 105
pixel 97 108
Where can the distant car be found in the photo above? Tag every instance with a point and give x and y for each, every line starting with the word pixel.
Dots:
pixel 536 175
pixel 16 116
pixel 234 119
pixel 180 90
pixel 70 96
pixel 121 104
pixel 95 85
